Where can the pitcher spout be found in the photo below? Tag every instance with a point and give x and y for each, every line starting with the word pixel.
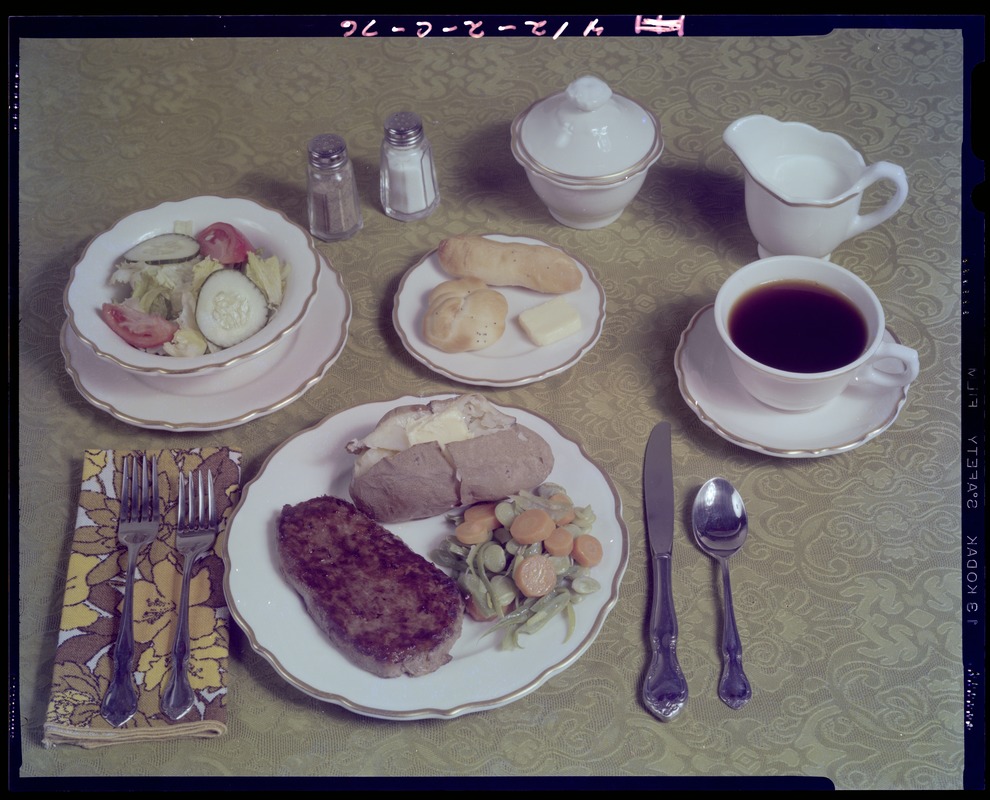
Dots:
pixel 796 163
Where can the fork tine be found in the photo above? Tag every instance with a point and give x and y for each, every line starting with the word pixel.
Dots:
pixel 125 490
pixel 180 511
pixel 142 509
pixel 155 514
pixel 212 500
pixel 134 504
pixel 201 507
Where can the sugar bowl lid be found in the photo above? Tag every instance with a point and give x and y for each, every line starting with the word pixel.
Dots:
pixel 586 133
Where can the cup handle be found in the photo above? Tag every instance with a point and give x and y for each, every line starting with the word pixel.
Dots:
pixel 905 356
pixel 881 171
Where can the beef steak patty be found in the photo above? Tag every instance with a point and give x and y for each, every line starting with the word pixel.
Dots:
pixel 385 607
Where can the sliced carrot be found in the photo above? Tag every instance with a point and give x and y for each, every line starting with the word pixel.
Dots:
pixel 535 576
pixel 564 517
pixel 484 513
pixel 475 532
pixel 559 543
pixel 587 550
pixel 532 526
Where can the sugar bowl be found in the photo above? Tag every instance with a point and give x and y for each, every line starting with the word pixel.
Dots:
pixel 586 151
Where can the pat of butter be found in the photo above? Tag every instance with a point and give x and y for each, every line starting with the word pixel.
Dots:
pixel 550 322
pixel 447 426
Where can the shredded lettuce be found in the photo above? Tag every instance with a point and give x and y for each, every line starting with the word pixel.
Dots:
pixel 171 290
pixel 267 274
pixel 202 271
pixel 186 342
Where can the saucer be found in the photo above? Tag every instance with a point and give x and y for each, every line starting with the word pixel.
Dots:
pixel 861 413
pixel 214 402
pixel 513 360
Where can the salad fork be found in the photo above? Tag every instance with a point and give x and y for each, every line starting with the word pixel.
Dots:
pixel 196 529
pixel 137 526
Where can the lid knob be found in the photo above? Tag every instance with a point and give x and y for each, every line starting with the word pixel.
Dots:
pixel 588 92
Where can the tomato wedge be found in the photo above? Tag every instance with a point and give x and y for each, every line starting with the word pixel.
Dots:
pixel 137 328
pixel 222 242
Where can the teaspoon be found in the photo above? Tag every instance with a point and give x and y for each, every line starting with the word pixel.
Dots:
pixel 720 527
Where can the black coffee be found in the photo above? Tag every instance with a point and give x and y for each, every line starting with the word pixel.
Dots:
pixel 798 326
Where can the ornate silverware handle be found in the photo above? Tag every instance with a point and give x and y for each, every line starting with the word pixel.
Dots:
pixel 178 697
pixel 121 700
pixel 665 690
pixel 733 688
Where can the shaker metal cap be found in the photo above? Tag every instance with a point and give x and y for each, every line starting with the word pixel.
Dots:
pixel 327 149
pixel 403 128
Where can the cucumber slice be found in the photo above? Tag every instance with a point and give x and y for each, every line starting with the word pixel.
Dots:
pixel 166 248
pixel 230 308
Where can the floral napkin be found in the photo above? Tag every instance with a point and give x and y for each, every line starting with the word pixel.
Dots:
pixel 94 593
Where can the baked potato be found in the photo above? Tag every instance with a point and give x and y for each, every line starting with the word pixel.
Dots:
pixel 423 460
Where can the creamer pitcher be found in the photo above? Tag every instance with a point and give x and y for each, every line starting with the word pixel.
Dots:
pixel 803 187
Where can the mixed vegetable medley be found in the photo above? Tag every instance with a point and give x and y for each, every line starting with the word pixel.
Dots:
pixel 193 294
pixel 523 561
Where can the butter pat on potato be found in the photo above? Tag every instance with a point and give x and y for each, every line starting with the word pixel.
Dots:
pixel 550 322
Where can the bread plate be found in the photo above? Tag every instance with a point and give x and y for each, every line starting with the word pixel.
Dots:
pixel 513 360
pixel 480 675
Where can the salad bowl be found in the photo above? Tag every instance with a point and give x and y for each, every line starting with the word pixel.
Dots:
pixel 270 234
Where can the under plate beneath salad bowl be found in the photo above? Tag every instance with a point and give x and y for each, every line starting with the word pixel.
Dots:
pixel 269 232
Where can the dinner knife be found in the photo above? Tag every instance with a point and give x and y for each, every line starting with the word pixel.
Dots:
pixel 665 690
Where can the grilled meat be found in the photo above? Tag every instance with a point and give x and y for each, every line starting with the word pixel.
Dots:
pixel 385 607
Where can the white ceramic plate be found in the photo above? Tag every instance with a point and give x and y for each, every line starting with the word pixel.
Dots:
pixel 215 401
pixel 480 676
pixel 707 383
pixel 513 360
pixel 268 230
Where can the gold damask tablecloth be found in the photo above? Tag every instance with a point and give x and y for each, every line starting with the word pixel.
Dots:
pixel 848 592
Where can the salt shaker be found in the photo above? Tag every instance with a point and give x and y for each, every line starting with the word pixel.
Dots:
pixel 334 206
pixel 408 176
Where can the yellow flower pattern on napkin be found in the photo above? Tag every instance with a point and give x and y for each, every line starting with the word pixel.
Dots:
pixel 94 594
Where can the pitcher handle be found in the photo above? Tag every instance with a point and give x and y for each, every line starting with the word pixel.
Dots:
pixel 881 171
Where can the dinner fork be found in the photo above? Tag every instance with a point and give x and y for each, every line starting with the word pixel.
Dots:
pixel 137 525
pixel 196 529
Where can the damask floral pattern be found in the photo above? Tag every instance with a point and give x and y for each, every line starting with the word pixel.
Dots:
pixel 93 594
pixel 848 590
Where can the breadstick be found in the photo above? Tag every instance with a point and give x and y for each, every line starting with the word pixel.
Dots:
pixel 532 266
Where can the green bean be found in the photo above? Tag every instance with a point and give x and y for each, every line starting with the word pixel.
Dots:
pixel 571 619
pixel 484 571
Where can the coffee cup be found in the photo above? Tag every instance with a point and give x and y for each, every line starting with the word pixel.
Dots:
pixel 800 330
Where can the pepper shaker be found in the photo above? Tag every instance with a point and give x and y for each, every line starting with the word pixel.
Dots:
pixel 334 205
pixel 408 175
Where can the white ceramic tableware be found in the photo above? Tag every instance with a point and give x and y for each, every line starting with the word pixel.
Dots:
pixel 268 230
pixel 513 360
pixel 586 151
pixel 277 377
pixel 481 675
pixel 880 362
pixel 709 387
pixel 803 187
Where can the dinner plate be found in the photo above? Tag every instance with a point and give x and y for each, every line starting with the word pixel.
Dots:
pixel 513 360
pixel 210 402
pixel 479 675
pixel 861 413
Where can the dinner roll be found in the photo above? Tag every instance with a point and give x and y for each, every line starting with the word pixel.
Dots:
pixel 464 314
